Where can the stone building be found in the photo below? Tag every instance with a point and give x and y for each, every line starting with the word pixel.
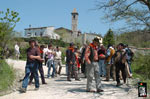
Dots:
pixel 41 32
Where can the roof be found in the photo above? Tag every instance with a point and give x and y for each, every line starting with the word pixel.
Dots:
pixel 38 28
pixel 93 34
pixel 61 28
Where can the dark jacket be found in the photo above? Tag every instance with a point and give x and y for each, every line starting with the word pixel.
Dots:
pixel 70 55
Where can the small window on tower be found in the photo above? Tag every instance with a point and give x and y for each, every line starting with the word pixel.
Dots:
pixel 74 16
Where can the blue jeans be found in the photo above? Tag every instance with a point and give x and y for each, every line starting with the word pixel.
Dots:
pixel 66 69
pixel 31 68
pixel 102 68
pixel 129 64
pixel 50 63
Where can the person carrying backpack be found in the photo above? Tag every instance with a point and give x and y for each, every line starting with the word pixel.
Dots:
pixel 109 54
pixel 129 54
pixel 91 57
pixel 119 62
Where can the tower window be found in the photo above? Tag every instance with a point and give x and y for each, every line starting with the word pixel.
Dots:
pixel 74 16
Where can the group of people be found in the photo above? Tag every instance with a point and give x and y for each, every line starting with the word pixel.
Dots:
pixel 97 61
pixel 117 61
pixel 93 60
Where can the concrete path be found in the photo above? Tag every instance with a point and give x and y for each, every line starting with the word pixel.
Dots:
pixel 59 88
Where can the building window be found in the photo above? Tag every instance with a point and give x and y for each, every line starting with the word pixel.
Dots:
pixel 35 34
pixel 74 16
pixel 29 34
pixel 41 34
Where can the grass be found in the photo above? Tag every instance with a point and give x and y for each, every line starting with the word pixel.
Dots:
pixel 7 76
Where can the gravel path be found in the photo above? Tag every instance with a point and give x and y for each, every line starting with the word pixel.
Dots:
pixel 59 88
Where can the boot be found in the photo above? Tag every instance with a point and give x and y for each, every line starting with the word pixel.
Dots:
pixel 59 71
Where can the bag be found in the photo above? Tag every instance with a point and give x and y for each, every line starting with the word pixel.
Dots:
pixel 112 52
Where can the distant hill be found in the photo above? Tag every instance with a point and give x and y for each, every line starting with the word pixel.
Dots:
pixel 135 38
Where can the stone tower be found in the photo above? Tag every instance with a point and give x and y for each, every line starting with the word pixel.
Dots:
pixel 74 23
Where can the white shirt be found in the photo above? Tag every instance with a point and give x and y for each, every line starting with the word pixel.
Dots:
pixel 17 48
pixel 58 55
pixel 50 54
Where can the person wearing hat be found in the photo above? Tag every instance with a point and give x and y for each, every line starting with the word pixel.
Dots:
pixel 71 60
pixel 91 58
pixel 119 62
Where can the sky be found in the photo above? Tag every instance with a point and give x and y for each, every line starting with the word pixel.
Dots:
pixel 57 13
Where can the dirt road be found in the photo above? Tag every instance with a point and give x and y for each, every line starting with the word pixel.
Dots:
pixel 59 88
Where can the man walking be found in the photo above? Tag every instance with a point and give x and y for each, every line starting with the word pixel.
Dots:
pixel 120 59
pixel 57 61
pixel 50 62
pixel 71 59
pixel 33 56
pixel 109 54
pixel 40 67
pixel 91 57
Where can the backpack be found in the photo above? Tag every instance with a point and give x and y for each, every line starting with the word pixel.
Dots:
pixel 91 56
pixel 129 54
pixel 112 52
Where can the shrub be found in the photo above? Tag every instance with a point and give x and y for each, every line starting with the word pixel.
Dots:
pixel 7 76
pixel 141 68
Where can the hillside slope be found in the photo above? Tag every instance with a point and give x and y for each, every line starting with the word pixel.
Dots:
pixel 137 38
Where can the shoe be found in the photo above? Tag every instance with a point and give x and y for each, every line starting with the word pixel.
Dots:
pixel 30 83
pixel 44 83
pixel 100 90
pixel 90 90
pixel 36 89
pixel 52 76
pixel 23 90
pixel 68 80
pixel 118 84
pixel 77 79
pixel 48 76
pixel 106 80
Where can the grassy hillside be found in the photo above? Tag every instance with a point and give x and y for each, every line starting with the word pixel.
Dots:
pixel 7 76
pixel 136 38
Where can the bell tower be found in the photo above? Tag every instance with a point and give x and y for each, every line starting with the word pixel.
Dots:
pixel 74 23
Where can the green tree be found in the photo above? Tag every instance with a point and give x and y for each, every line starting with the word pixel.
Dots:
pixel 109 38
pixel 136 13
pixel 8 21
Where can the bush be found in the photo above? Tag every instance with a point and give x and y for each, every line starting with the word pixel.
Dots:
pixel 7 76
pixel 141 68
